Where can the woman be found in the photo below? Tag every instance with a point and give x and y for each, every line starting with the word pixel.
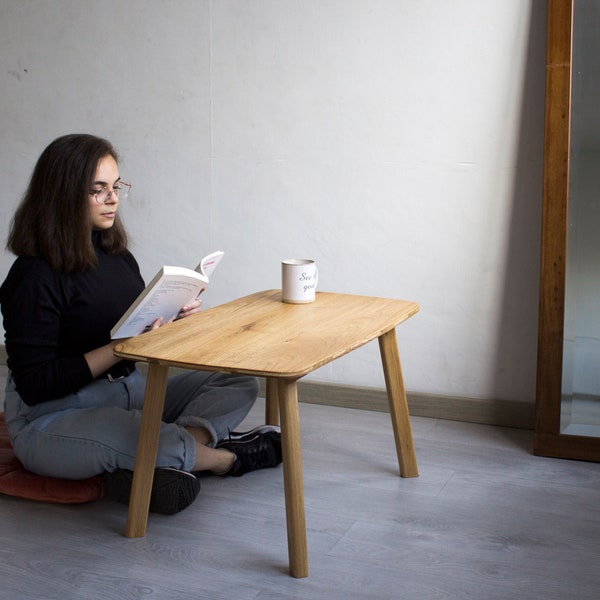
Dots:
pixel 72 408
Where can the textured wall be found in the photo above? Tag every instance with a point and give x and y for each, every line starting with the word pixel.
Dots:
pixel 398 143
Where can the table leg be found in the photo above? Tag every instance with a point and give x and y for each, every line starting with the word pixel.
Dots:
pixel 271 404
pixel 145 461
pixel 396 393
pixel 292 478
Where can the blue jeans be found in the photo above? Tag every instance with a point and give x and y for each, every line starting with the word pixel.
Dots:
pixel 96 429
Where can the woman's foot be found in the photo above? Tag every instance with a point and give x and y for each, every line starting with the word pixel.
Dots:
pixel 172 489
pixel 259 448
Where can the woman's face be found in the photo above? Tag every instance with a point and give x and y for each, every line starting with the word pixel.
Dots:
pixel 106 178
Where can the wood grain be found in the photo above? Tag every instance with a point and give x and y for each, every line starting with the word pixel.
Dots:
pixel 147 448
pixel 292 478
pixel 260 335
pixel 554 216
pixel 398 405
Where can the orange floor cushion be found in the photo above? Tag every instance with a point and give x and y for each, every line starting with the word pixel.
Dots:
pixel 15 480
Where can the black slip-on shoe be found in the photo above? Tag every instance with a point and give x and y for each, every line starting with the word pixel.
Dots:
pixel 172 489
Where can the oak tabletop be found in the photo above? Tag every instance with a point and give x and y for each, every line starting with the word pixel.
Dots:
pixel 260 335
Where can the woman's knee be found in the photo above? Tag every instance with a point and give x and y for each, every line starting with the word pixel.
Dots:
pixel 248 383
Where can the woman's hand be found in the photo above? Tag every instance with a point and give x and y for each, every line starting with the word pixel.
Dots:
pixel 189 309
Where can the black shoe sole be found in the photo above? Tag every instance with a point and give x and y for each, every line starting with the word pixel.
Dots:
pixel 172 489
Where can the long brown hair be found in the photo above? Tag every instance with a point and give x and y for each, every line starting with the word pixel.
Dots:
pixel 53 219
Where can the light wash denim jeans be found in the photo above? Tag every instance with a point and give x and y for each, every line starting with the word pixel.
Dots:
pixel 96 429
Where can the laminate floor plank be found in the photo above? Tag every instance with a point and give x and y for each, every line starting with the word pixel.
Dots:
pixel 485 520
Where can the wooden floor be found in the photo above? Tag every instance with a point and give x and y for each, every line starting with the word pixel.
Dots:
pixel 485 520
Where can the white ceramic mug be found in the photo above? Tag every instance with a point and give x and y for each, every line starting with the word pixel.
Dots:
pixel 299 277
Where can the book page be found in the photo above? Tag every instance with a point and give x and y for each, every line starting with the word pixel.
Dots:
pixel 170 290
pixel 165 299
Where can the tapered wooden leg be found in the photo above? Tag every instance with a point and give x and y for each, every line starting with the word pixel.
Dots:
pixel 292 478
pixel 396 393
pixel 145 461
pixel 272 403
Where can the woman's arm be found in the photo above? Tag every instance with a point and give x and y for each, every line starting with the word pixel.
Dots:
pixel 101 359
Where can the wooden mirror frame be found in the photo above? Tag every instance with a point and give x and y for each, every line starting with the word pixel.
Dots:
pixel 548 440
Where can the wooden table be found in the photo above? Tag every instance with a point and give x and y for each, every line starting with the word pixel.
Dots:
pixel 260 335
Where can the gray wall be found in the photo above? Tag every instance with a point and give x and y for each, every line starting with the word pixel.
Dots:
pixel 398 143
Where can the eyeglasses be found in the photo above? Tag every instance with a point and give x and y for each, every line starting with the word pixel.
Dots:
pixel 120 190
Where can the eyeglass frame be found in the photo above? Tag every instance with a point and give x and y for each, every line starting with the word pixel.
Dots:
pixel 108 192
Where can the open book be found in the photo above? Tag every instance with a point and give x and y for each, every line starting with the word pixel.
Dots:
pixel 168 292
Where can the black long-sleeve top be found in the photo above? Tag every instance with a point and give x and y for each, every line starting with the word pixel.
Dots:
pixel 51 319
